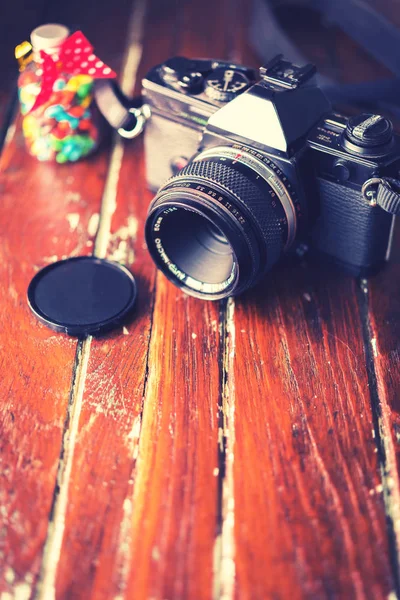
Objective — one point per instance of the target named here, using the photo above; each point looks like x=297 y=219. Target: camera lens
x=198 y=248
x=222 y=221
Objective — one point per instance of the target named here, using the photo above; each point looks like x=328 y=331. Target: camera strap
x=127 y=115
x=360 y=21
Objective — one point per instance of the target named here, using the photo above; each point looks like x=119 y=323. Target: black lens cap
x=82 y=296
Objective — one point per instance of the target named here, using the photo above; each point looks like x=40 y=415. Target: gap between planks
x=224 y=547
x=55 y=533
x=382 y=434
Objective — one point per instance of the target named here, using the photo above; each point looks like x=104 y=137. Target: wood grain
x=309 y=515
x=162 y=516
x=46 y=214
x=311 y=507
x=238 y=449
x=380 y=307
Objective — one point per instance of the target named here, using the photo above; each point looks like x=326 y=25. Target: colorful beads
x=62 y=129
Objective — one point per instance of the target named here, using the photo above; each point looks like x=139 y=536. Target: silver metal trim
x=142 y=114
x=369 y=196
x=267 y=174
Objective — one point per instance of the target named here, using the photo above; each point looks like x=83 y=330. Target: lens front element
x=195 y=250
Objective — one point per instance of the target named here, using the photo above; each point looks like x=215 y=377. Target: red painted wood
x=170 y=472
x=210 y=449
x=175 y=520
x=380 y=297
x=309 y=514
x=311 y=507
x=45 y=215
x=36 y=364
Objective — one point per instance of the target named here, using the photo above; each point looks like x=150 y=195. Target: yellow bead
x=30 y=126
x=86 y=102
x=71 y=86
x=74 y=83
x=82 y=79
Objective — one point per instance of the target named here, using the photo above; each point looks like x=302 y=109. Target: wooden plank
x=309 y=515
x=46 y=214
x=99 y=478
x=380 y=309
x=141 y=488
x=39 y=223
x=170 y=472
x=177 y=503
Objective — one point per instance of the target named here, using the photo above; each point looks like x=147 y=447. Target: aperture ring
x=261 y=170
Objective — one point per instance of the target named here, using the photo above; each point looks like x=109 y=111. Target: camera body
x=321 y=165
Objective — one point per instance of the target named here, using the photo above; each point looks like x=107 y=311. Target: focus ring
x=250 y=197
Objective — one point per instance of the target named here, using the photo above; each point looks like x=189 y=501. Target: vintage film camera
x=246 y=168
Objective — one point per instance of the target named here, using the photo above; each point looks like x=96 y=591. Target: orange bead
x=76 y=111
x=64 y=126
x=85 y=124
x=59 y=133
x=65 y=97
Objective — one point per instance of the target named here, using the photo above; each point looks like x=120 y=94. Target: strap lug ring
x=141 y=115
x=370 y=195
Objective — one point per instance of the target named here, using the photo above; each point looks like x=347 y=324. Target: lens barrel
x=218 y=225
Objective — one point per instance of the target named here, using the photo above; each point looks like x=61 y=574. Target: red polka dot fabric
x=75 y=57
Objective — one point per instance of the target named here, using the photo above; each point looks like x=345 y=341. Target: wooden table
x=243 y=449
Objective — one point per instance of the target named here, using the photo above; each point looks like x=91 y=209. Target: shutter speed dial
x=224 y=85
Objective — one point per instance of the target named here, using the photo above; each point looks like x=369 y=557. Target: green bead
x=55 y=143
x=84 y=90
x=61 y=158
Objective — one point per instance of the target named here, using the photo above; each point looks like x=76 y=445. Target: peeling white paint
x=155 y=554
x=109 y=200
x=128 y=231
x=50 y=259
x=20 y=591
x=9 y=575
x=72 y=196
x=93 y=224
x=73 y=220
x=52 y=550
